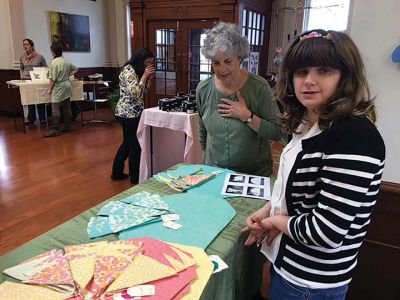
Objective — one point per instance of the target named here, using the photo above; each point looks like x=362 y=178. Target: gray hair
x=225 y=37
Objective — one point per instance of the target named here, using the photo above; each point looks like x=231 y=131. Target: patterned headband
x=314 y=34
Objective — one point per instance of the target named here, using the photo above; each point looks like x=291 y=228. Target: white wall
x=374 y=26
x=375 y=29
x=37 y=28
x=6 y=56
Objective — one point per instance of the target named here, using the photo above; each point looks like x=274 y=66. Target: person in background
x=134 y=80
x=236 y=107
x=29 y=60
x=329 y=174
x=60 y=90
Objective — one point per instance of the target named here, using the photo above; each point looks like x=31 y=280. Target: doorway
x=178 y=61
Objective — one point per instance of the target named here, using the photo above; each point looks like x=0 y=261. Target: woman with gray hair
x=238 y=114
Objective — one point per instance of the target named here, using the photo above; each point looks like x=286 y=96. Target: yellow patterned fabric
x=82 y=270
x=18 y=291
x=204 y=269
x=82 y=261
x=143 y=269
x=187 y=260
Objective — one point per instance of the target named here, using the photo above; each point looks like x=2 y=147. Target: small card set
x=242 y=185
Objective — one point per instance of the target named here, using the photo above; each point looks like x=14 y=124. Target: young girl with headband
x=329 y=174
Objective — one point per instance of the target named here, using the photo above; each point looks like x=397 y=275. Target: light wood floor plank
x=47 y=181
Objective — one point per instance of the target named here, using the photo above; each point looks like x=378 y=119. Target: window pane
x=327 y=14
x=255 y=20
x=262 y=22
x=198 y=66
x=250 y=18
x=244 y=18
x=165 y=61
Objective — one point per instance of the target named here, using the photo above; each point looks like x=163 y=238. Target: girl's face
x=27 y=46
x=314 y=86
x=148 y=61
x=226 y=66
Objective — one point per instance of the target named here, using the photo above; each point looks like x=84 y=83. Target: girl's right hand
x=257 y=233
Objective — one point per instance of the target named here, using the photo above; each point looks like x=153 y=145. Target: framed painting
x=72 y=31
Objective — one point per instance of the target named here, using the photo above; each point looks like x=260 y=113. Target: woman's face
x=27 y=46
x=148 y=61
x=314 y=86
x=226 y=66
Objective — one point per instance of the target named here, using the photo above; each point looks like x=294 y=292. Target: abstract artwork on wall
x=72 y=31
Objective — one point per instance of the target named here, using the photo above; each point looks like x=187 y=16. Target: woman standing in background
x=60 y=90
x=29 y=60
x=134 y=81
x=238 y=113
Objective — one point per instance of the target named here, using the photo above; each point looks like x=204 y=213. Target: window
x=253 y=27
x=326 y=14
x=199 y=67
x=165 y=61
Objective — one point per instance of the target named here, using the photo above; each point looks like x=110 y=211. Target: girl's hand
x=234 y=109
x=258 y=216
x=257 y=233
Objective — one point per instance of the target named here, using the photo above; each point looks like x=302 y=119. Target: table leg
x=37 y=120
x=151 y=151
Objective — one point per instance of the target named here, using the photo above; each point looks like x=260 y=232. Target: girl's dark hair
x=30 y=42
x=333 y=49
x=137 y=61
x=57 y=49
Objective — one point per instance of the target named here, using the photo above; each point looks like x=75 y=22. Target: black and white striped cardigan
x=330 y=194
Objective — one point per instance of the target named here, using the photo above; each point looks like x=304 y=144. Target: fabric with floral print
x=111 y=261
x=59 y=273
x=98 y=226
x=12 y=290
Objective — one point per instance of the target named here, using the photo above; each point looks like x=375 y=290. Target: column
x=17 y=30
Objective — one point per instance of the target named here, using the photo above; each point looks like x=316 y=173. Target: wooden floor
x=47 y=181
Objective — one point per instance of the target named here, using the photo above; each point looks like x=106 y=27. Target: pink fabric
x=187 y=123
x=171 y=287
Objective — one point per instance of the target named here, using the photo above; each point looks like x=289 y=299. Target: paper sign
x=142 y=290
x=170 y=217
x=172 y=225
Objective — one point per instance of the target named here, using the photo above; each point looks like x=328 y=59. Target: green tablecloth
x=239 y=281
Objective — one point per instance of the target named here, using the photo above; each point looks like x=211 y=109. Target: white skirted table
x=33 y=92
x=167 y=138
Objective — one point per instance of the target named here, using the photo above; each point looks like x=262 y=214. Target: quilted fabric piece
x=143 y=269
x=59 y=273
x=82 y=261
x=186 y=182
x=12 y=290
x=119 y=223
x=111 y=262
x=98 y=226
x=135 y=210
x=210 y=187
x=33 y=265
x=145 y=199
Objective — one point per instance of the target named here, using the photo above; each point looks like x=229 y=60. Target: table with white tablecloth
x=167 y=138
x=35 y=92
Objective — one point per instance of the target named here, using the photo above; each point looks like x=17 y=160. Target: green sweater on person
x=230 y=143
x=60 y=70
